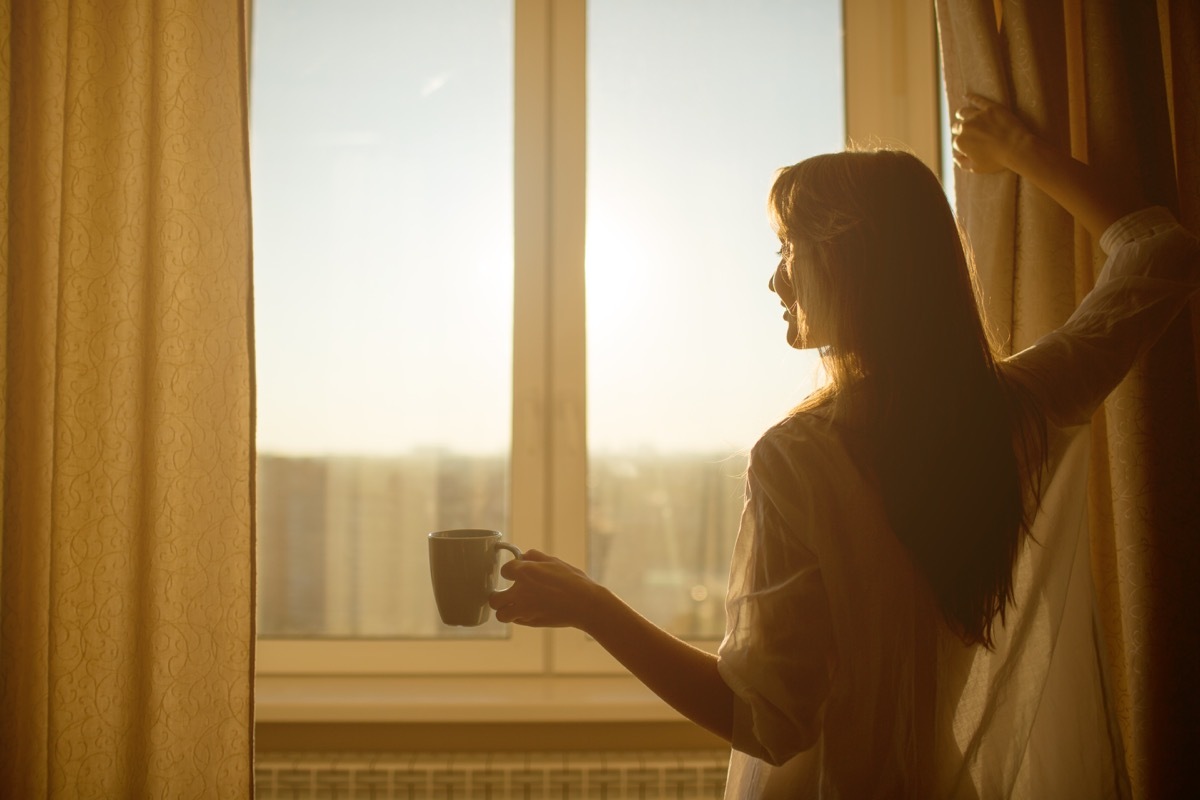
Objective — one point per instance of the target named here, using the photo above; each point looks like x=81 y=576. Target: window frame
x=891 y=97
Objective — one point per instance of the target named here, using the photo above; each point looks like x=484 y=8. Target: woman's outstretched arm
x=988 y=138
x=1152 y=270
x=548 y=592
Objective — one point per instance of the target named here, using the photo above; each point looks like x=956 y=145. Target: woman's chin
x=798 y=332
x=802 y=336
x=801 y=341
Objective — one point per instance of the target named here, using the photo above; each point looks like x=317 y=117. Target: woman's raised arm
x=988 y=138
x=1152 y=270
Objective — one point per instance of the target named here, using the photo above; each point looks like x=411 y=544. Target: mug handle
x=512 y=548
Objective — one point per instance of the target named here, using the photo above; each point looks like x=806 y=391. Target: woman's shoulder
x=797 y=428
x=805 y=442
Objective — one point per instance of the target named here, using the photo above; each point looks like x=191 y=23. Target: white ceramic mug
x=463 y=565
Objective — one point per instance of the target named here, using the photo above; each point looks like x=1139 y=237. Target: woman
x=907 y=615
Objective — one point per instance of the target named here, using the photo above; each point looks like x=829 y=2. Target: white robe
x=848 y=682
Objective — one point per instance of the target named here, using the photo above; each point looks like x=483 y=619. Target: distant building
x=342 y=550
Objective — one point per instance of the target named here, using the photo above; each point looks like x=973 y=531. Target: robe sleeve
x=777 y=654
x=1152 y=270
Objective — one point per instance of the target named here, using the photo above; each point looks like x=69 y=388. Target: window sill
x=323 y=699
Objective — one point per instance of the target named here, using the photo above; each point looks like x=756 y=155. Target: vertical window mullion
x=568 y=98
x=531 y=237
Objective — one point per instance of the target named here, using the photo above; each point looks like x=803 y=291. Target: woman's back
x=816 y=556
x=849 y=658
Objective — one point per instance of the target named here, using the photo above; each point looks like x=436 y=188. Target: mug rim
x=464 y=533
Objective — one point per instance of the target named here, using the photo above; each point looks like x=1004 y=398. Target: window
x=382 y=139
x=511 y=272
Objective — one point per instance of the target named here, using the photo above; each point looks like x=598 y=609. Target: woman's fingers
x=505 y=614
x=499 y=599
x=962 y=162
x=546 y=592
x=525 y=610
x=965 y=114
x=512 y=569
x=981 y=100
x=985 y=135
x=975 y=105
x=957 y=153
x=510 y=605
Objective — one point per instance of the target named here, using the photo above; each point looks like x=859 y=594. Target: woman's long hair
x=956 y=452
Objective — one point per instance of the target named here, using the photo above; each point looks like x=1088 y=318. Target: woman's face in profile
x=801 y=333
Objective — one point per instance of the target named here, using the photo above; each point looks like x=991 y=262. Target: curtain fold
x=1117 y=84
x=126 y=430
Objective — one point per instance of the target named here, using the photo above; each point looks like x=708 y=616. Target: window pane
x=692 y=106
x=381 y=148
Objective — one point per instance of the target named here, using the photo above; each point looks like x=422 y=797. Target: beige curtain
x=126 y=579
x=1117 y=84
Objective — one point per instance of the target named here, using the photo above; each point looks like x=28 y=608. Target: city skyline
x=342 y=553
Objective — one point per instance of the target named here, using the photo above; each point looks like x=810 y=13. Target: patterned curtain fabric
x=126 y=400
x=1118 y=85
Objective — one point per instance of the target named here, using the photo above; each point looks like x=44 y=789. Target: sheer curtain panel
x=1117 y=84
x=126 y=401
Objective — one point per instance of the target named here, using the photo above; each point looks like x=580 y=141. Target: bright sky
x=381 y=137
